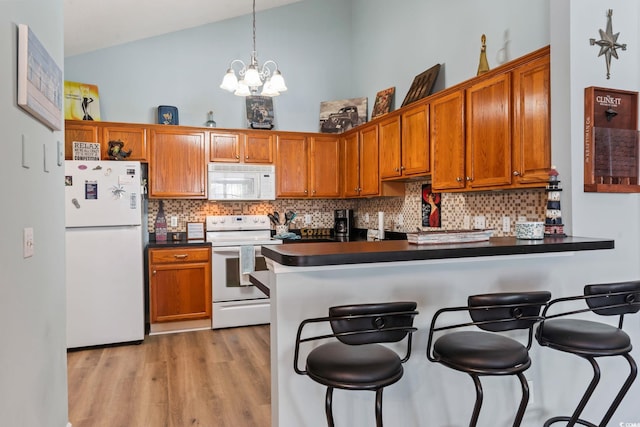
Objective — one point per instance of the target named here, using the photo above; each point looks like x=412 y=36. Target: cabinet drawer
x=157 y=256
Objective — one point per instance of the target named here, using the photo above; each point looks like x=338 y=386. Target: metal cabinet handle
x=397 y=170
x=516 y=173
x=237 y=156
x=180 y=256
x=154 y=272
x=469 y=179
x=459 y=179
x=246 y=157
x=402 y=168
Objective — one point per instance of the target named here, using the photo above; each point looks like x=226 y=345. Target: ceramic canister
x=529 y=230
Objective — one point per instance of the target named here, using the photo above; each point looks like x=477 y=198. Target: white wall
x=33 y=381
x=395 y=41
x=310 y=40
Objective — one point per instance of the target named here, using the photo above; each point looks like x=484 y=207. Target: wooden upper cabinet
x=488 y=127
x=404 y=144
x=291 y=166
x=224 y=147
x=531 y=123
x=177 y=163
x=415 y=141
x=78 y=131
x=390 y=148
x=447 y=135
x=258 y=148
x=241 y=147
x=368 y=160
x=350 y=165
x=134 y=139
x=324 y=166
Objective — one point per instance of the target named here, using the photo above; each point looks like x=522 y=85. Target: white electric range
x=236 y=242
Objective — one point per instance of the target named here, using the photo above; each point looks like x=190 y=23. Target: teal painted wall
x=33 y=376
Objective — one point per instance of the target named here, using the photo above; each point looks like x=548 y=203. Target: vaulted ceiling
x=95 y=24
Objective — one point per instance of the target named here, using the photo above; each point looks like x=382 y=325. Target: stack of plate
x=449 y=236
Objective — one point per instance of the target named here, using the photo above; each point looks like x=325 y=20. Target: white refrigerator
x=104 y=252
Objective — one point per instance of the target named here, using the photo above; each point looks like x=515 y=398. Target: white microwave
x=241 y=182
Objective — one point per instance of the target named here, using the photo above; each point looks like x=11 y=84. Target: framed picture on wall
x=39 y=80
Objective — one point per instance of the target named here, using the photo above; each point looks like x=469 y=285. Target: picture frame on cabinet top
x=168 y=115
x=384 y=102
x=422 y=85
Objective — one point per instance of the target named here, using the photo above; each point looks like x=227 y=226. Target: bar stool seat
x=364 y=367
x=466 y=351
x=587 y=337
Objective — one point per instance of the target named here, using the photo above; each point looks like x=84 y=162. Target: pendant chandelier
x=253 y=76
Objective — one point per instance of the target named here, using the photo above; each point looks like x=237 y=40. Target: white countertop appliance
x=104 y=252
x=236 y=242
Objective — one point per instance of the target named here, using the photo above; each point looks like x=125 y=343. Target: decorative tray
x=449 y=236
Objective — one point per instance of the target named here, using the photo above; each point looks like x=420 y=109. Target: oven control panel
x=237 y=222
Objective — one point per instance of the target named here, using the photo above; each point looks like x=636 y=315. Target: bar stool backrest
x=372 y=323
x=507 y=311
x=617 y=298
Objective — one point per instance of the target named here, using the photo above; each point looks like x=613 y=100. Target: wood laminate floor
x=212 y=378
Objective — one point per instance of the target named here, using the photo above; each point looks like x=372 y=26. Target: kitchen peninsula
x=304 y=280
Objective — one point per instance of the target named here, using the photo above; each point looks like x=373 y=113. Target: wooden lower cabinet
x=179 y=284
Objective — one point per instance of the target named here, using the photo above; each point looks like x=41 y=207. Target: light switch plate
x=27 y=242
x=479 y=222
x=174 y=221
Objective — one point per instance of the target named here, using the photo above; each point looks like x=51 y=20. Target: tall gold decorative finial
x=483 y=66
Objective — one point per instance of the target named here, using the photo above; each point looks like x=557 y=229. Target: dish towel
x=289 y=235
x=247 y=260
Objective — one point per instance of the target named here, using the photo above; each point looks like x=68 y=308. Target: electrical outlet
x=506 y=224
x=522 y=218
x=307 y=219
x=466 y=222
x=400 y=220
x=479 y=222
x=174 y=221
x=366 y=217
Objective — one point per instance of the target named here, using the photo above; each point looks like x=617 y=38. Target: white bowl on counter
x=529 y=230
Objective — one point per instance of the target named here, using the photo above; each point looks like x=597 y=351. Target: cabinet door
x=369 y=157
x=532 y=129
x=291 y=166
x=489 y=133
x=390 y=151
x=415 y=141
x=224 y=147
x=258 y=148
x=133 y=137
x=351 y=165
x=177 y=167
x=324 y=166
x=180 y=292
x=78 y=131
x=446 y=116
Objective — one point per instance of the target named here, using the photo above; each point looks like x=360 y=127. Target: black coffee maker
x=343 y=221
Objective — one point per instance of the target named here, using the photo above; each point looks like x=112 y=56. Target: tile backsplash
x=401 y=213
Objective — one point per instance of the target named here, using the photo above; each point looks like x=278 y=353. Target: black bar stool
x=590 y=340
x=355 y=359
x=479 y=353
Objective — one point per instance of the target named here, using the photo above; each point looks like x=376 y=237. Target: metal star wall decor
x=608 y=43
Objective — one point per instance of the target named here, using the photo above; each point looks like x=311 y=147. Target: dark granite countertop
x=178 y=244
x=362 y=252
